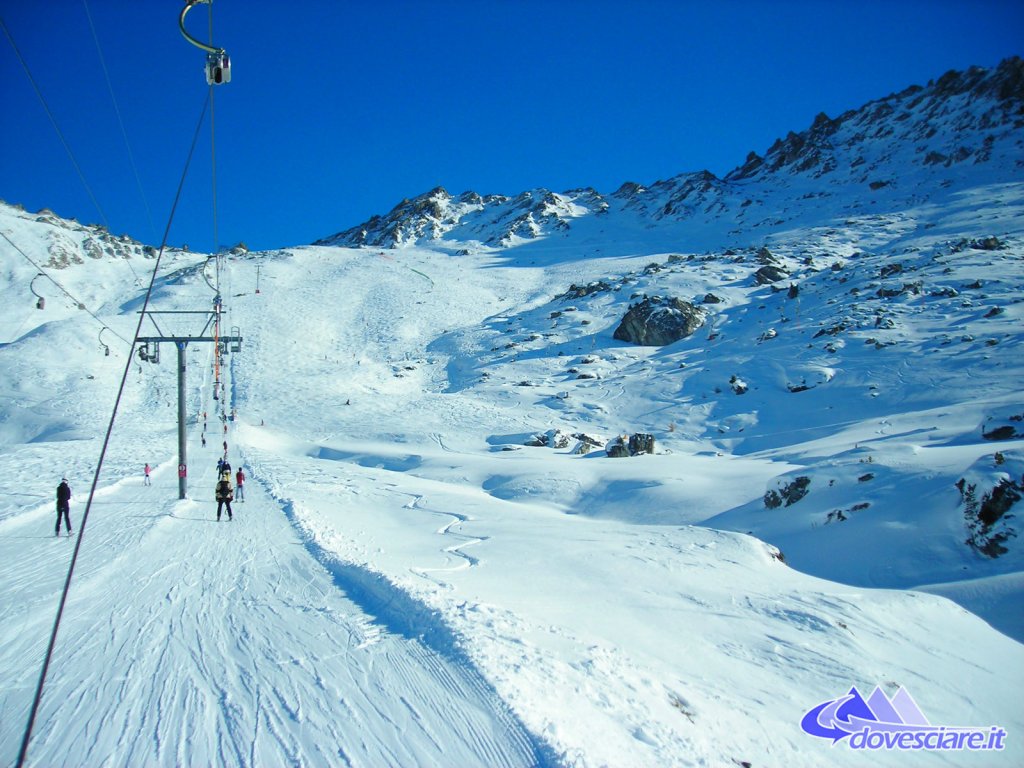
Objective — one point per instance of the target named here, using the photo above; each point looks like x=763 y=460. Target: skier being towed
x=225 y=493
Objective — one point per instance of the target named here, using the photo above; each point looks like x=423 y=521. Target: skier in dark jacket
x=63 y=506
x=224 y=494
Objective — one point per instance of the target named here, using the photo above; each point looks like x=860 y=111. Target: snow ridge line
x=401 y=614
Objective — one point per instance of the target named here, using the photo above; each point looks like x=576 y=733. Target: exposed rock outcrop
x=657 y=321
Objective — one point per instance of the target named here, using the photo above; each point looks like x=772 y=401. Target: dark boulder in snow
x=657 y=321
x=617 y=449
x=990 y=526
x=997 y=503
x=641 y=443
x=586 y=443
x=553 y=438
x=1010 y=429
x=579 y=291
x=789 y=493
x=770 y=274
x=637 y=444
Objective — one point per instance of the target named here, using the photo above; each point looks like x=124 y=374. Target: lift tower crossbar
x=180 y=342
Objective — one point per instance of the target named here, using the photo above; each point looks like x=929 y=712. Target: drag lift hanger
x=206 y=277
x=218 y=65
x=40 y=300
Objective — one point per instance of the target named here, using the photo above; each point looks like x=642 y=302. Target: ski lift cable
x=216 y=232
x=60 y=134
x=103 y=451
x=29 y=316
x=53 y=121
x=120 y=122
x=213 y=173
x=65 y=291
x=218 y=71
x=213 y=155
x=61 y=288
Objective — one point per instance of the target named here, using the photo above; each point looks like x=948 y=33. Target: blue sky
x=339 y=110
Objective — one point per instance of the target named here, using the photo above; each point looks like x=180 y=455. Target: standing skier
x=63 y=506
x=240 y=484
x=145 y=472
x=224 y=494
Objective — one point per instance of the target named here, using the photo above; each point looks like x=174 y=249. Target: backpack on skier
x=224 y=490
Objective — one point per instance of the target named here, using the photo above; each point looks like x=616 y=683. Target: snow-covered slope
x=425 y=571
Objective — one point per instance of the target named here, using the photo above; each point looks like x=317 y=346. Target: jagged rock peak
x=426 y=216
x=912 y=115
x=629 y=189
x=1005 y=82
x=430 y=203
x=495 y=220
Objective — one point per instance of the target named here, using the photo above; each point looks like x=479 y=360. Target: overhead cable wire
x=216 y=233
x=56 y=127
x=62 y=289
x=103 y=452
x=213 y=160
x=120 y=121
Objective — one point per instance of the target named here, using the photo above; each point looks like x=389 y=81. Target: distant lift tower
x=150 y=352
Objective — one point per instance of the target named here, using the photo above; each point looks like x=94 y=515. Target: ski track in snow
x=196 y=636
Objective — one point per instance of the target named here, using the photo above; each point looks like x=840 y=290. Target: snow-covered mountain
x=438 y=562
x=896 y=152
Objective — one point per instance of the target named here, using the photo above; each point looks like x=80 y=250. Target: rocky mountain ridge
x=69 y=242
x=904 y=149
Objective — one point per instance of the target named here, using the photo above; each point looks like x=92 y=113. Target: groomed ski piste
x=408 y=584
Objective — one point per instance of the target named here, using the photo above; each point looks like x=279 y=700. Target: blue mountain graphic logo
x=848 y=714
x=881 y=722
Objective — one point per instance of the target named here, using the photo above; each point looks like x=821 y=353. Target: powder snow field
x=408 y=584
